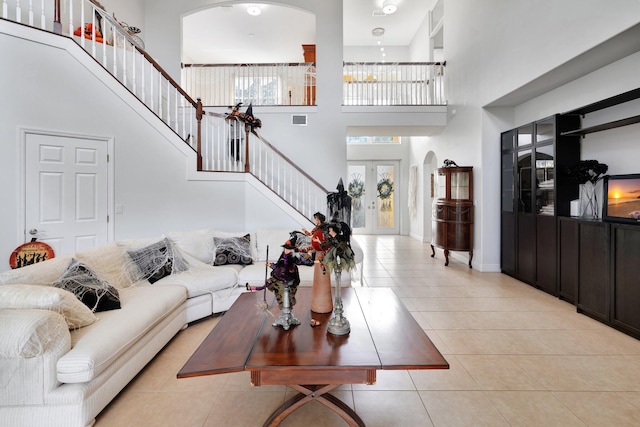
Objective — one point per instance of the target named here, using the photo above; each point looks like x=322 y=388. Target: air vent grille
x=299 y=119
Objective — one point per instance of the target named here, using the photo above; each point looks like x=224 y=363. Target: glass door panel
x=525 y=187
x=373 y=186
x=460 y=186
x=525 y=135
x=545 y=179
x=507 y=182
x=385 y=176
x=357 y=191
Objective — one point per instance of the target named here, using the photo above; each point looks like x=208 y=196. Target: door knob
x=33 y=231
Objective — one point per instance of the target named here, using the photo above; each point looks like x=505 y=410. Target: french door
x=373 y=187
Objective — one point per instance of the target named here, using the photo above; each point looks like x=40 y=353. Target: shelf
x=606 y=103
x=604 y=126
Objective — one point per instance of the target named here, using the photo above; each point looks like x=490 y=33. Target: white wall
x=150 y=165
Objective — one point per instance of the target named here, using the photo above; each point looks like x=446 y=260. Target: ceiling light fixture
x=254 y=10
x=389 y=7
x=377 y=32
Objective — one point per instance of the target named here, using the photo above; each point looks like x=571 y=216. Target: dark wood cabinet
x=593 y=269
x=590 y=263
x=568 y=258
x=625 y=262
x=534 y=157
x=452 y=217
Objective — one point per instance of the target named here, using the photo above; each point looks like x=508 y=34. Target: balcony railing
x=260 y=84
x=371 y=83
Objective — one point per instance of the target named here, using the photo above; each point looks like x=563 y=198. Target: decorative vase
x=321 y=300
x=589 y=200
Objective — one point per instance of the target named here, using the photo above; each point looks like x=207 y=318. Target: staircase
x=220 y=144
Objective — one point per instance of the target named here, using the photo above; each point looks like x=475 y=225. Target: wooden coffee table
x=384 y=335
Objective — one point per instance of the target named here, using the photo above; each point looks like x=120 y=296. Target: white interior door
x=66 y=201
x=373 y=186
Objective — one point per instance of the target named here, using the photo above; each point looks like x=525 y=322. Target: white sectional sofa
x=61 y=363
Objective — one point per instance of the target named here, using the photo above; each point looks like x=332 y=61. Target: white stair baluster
x=43 y=20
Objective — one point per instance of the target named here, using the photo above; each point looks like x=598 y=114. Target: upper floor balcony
x=294 y=84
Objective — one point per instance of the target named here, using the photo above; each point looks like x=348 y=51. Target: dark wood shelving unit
x=595 y=261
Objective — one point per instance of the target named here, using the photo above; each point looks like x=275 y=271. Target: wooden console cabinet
x=452 y=218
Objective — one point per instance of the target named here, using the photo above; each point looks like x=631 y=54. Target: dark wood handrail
x=306 y=175
x=395 y=63
x=148 y=58
x=270 y=64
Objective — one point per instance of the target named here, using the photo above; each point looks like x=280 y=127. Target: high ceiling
x=228 y=34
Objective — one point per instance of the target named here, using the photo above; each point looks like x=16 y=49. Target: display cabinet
x=452 y=219
x=595 y=262
x=532 y=197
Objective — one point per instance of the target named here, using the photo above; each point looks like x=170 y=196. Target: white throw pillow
x=75 y=313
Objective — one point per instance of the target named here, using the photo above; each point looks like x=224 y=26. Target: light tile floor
x=518 y=357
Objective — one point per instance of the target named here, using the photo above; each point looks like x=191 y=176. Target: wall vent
x=299 y=119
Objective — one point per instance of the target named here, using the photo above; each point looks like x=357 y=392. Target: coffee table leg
x=308 y=394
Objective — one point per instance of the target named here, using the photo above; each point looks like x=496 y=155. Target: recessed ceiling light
x=254 y=10
x=389 y=7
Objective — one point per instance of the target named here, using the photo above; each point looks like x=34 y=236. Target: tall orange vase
x=321 y=300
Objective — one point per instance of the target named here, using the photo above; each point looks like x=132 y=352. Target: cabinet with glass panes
x=452 y=219
x=533 y=155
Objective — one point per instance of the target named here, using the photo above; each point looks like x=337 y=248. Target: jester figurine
x=284 y=283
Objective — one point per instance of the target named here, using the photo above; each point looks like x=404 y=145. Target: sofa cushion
x=232 y=250
x=254 y=251
x=274 y=238
x=83 y=282
x=198 y=243
x=158 y=260
x=18 y=296
x=95 y=347
x=203 y=278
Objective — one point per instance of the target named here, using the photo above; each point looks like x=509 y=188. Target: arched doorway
x=429 y=166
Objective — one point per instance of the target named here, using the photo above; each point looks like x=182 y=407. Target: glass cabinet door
x=507 y=182
x=545 y=179
x=525 y=197
x=441 y=185
x=460 y=186
x=525 y=135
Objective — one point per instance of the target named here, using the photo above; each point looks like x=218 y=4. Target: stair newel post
x=57 y=25
x=247 y=131
x=199 y=132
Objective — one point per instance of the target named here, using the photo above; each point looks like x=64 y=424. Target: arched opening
x=429 y=166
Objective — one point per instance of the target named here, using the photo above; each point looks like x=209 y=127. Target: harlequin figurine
x=284 y=283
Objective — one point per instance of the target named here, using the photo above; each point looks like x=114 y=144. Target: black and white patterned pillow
x=232 y=250
x=158 y=260
x=83 y=282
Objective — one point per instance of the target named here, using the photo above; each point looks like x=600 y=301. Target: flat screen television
x=623 y=198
